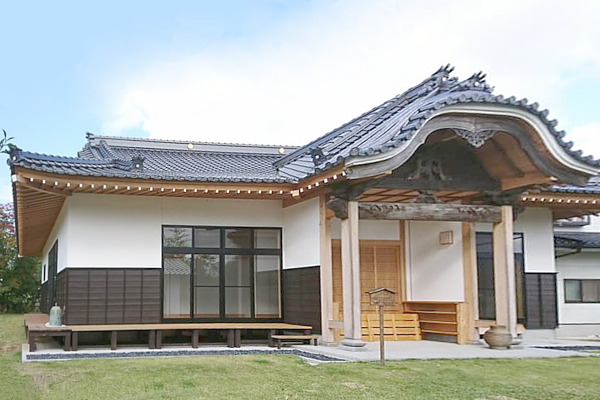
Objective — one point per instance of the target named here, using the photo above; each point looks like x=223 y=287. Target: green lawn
x=287 y=377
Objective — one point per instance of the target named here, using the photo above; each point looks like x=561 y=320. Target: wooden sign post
x=382 y=297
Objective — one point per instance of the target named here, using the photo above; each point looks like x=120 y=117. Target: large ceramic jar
x=498 y=337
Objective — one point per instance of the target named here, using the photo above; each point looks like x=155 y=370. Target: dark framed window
x=582 y=290
x=485 y=275
x=52 y=275
x=221 y=273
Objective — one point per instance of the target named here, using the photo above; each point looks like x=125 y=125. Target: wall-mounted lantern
x=446 y=237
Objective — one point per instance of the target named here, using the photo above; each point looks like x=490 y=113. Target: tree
x=19 y=276
x=5 y=143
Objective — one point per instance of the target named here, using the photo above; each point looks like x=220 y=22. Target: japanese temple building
x=445 y=194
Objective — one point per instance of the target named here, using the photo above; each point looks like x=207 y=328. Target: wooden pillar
x=351 y=278
x=504 y=272
x=326 y=272
x=470 y=281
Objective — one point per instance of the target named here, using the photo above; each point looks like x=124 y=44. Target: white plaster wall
x=301 y=232
x=59 y=232
x=435 y=271
x=125 y=231
x=370 y=230
x=538 y=238
x=114 y=231
x=221 y=212
x=585 y=265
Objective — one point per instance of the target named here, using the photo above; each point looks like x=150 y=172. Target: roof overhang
x=39 y=196
x=476 y=117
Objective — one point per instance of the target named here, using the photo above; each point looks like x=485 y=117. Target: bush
x=19 y=276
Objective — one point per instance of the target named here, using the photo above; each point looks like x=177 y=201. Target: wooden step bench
x=35 y=326
x=280 y=338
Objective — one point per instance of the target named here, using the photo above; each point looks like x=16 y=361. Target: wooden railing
x=447 y=319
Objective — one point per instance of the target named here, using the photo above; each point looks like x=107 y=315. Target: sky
x=276 y=72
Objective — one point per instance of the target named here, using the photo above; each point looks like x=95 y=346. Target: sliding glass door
x=221 y=273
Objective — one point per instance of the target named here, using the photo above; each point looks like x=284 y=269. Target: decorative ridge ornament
x=475 y=138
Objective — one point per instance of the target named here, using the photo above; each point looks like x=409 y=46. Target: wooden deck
x=35 y=326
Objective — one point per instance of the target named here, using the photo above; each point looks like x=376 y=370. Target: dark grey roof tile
x=398 y=119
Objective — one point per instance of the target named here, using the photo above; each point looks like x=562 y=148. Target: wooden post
x=326 y=272
x=195 y=338
x=74 y=341
x=351 y=279
x=113 y=340
x=382 y=297
x=470 y=281
x=152 y=339
x=381 y=335
x=504 y=272
x=158 y=339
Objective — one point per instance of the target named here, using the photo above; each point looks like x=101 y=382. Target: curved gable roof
x=392 y=124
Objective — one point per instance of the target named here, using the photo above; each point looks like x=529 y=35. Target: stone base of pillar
x=353 y=345
x=328 y=344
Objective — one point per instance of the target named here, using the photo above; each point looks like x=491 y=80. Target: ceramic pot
x=498 y=337
x=56 y=316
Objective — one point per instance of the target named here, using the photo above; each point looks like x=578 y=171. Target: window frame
x=580 y=282
x=221 y=252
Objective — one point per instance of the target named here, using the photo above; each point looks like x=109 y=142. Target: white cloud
x=586 y=138
x=309 y=72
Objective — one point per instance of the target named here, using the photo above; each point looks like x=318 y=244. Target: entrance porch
x=432 y=266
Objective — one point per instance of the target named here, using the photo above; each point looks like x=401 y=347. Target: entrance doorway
x=380 y=266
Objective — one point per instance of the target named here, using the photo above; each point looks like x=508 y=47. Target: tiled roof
x=577 y=240
x=592 y=187
x=381 y=129
x=161 y=159
x=396 y=121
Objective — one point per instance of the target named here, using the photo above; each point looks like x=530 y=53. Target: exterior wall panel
x=584 y=265
x=302 y=297
x=541 y=302
x=111 y=296
x=538 y=239
x=301 y=235
x=435 y=271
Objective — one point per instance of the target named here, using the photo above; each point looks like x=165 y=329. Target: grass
x=287 y=377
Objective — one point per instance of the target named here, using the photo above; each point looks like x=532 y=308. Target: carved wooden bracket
x=339 y=207
x=475 y=138
x=426 y=196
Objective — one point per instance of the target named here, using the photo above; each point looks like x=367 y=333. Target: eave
x=40 y=196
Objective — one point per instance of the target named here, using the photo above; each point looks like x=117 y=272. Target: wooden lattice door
x=379 y=267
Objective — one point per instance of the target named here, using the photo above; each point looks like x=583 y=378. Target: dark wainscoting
x=541 y=300
x=44 y=298
x=302 y=297
x=109 y=295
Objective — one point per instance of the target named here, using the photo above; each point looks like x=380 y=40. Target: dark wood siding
x=111 y=295
x=97 y=296
x=61 y=290
x=302 y=297
x=44 y=300
x=541 y=301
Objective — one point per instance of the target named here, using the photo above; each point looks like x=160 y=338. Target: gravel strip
x=175 y=353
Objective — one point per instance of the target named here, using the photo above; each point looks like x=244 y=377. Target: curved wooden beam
x=361 y=168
